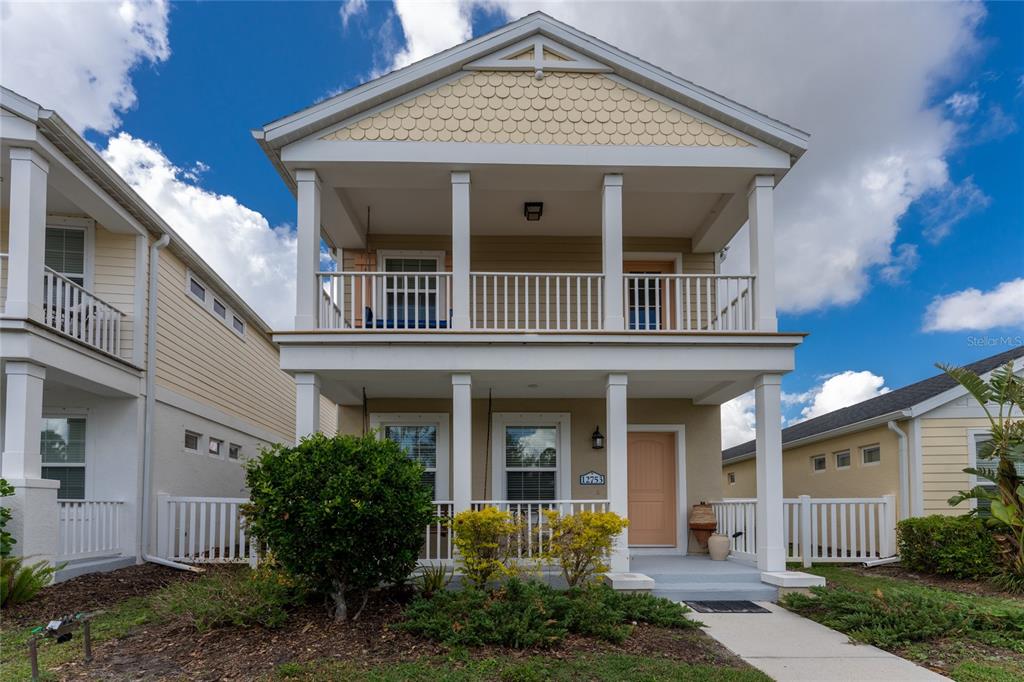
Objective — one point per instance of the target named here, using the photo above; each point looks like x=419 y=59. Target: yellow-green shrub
x=582 y=542
x=483 y=539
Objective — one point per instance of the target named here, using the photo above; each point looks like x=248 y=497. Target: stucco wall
x=859 y=480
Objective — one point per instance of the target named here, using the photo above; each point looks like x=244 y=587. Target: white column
x=27 y=234
x=761 y=218
x=616 y=425
x=307 y=405
x=462 y=441
x=460 y=250
x=308 y=249
x=611 y=251
x=34 y=503
x=771 y=552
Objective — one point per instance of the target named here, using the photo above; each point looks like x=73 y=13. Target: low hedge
x=954 y=546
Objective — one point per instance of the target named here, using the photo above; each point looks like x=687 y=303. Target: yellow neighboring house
x=128 y=367
x=912 y=443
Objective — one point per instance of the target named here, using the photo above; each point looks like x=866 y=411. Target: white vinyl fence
x=817 y=530
x=203 y=530
x=88 y=528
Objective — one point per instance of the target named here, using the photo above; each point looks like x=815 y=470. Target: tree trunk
x=366 y=597
x=340 y=607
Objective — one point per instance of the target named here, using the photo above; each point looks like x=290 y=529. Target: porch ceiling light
x=598 y=439
x=533 y=210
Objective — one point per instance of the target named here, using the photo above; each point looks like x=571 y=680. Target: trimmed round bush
x=954 y=546
x=347 y=513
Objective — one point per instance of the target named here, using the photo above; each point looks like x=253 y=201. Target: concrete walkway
x=789 y=648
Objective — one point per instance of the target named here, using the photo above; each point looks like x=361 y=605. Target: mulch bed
x=981 y=588
x=93 y=592
x=176 y=650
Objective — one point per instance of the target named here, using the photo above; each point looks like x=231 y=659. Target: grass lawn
x=967 y=636
x=135 y=636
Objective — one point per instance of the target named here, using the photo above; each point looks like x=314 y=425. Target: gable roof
x=275 y=135
x=890 y=405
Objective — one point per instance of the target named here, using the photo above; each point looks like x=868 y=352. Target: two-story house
x=527 y=230
x=127 y=366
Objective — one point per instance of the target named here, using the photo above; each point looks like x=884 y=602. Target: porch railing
x=686 y=303
x=385 y=301
x=438 y=537
x=88 y=528
x=817 y=530
x=535 y=531
x=200 y=530
x=536 y=301
x=71 y=309
x=3 y=282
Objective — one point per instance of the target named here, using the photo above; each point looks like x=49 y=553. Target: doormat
x=726 y=607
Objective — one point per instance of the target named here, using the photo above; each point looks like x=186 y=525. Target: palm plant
x=1002 y=399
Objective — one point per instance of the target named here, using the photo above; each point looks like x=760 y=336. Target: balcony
x=534 y=302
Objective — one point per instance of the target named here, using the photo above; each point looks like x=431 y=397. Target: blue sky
x=208 y=72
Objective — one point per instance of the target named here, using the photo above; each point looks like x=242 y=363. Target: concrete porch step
x=716 y=591
x=711 y=576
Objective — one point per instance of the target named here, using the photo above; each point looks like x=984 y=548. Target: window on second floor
x=64 y=252
x=201 y=294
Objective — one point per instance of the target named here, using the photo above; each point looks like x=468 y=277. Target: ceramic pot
x=702 y=522
x=718 y=547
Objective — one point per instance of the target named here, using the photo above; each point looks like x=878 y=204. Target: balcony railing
x=74 y=311
x=88 y=528
x=534 y=302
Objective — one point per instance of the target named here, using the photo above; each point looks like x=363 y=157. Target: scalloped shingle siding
x=514 y=107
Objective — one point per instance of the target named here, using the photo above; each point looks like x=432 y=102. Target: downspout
x=147 y=449
x=904 y=470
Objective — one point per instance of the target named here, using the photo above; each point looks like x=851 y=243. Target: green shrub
x=6 y=539
x=232 y=598
x=582 y=542
x=19 y=583
x=955 y=546
x=533 y=615
x=433 y=578
x=346 y=512
x=484 y=540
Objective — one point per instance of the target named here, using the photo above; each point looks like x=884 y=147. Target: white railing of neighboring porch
x=384 y=301
x=88 y=528
x=535 y=534
x=536 y=301
x=204 y=530
x=818 y=530
x=438 y=537
x=71 y=309
x=3 y=282
x=687 y=303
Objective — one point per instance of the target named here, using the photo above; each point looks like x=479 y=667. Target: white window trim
x=385 y=254
x=221 y=454
x=972 y=458
x=815 y=470
x=441 y=420
x=563 y=463
x=88 y=226
x=848 y=453
x=207 y=305
x=73 y=413
x=199 y=441
x=862 y=448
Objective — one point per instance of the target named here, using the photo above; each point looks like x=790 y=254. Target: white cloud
x=948 y=205
x=904 y=261
x=972 y=309
x=255 y=259
x=837 y=391
x=77 y=58
x=349 y=9
x=859 y=76
x=738 y=420
x=963 y=103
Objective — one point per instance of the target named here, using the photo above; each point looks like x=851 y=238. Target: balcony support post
x=462 y=441
x=616 y=424
x=307 y=296
x=27 y=237
x=771 y=550
x=611 y=251
x=761 y=221
x=460 y=251
x=307 y=405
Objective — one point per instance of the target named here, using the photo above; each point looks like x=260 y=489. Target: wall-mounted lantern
x=598 y=439
x=533 y=210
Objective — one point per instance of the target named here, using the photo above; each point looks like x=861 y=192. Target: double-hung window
x=424 y=438
x=62 y=444
x=532 y=457
x=65 y=252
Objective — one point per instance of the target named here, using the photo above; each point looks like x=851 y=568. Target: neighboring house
x=78 y=249
x=913 y=443
x=526 y=229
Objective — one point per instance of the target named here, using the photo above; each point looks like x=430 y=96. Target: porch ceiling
x=346 y=386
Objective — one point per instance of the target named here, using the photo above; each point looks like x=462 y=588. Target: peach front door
x=651 y=463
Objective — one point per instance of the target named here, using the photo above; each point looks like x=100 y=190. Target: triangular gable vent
x=537 y=54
